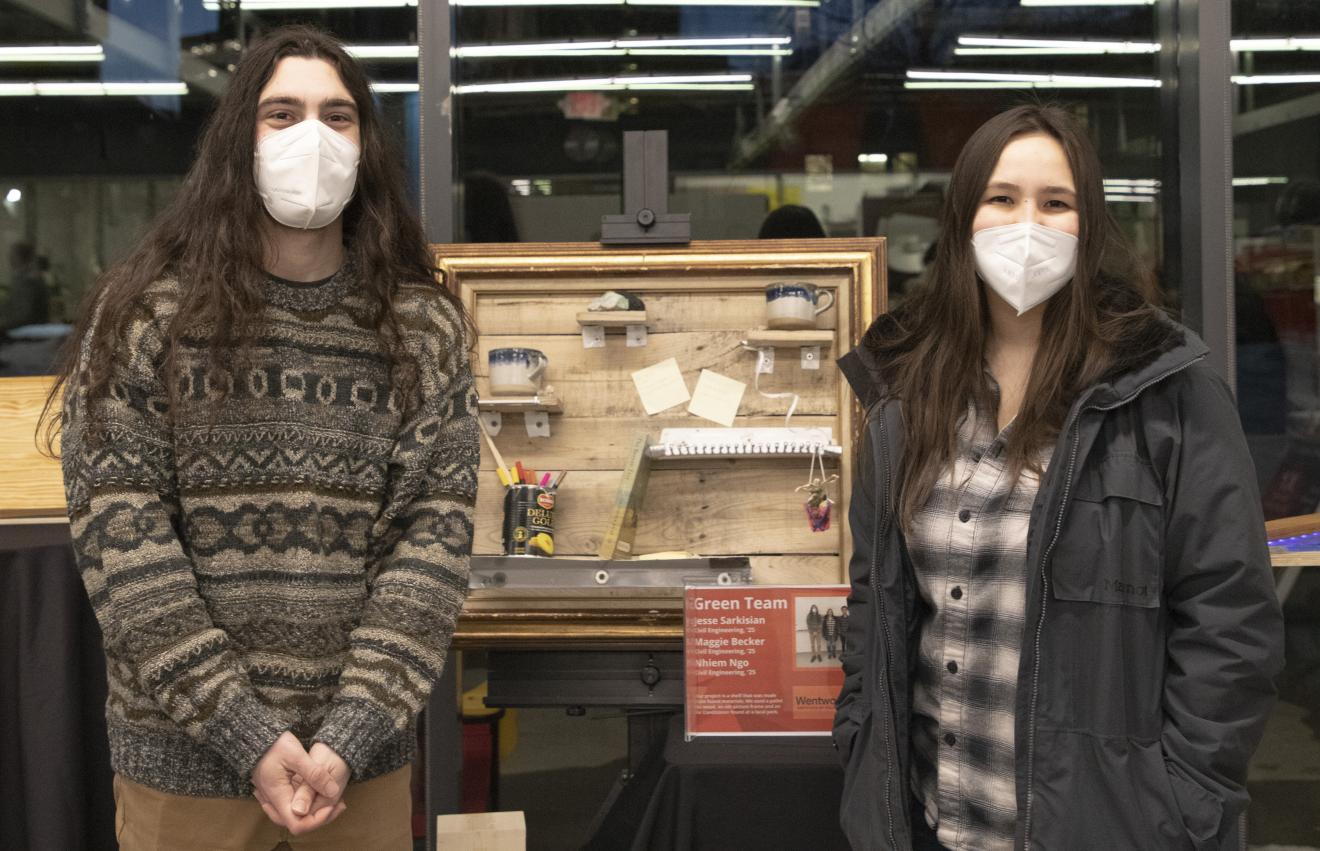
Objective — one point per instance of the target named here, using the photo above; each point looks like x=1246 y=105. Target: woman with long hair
x=1065 y=628
x=815 y=638
x=269 y=449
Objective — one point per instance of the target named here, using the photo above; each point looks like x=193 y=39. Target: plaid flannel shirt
x=968 y=545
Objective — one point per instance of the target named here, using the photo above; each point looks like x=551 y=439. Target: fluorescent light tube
x=991 y=45
x=810 y=3
x=1026 y=51
x=1131 y=181
x=1129 y=189
x=90 y=88
x=683 y=82
x=274 y=5
x=1272 y=45
x=1088 y=2
x=1259 y=181
x=502 y=3
x=395 y=88
x=749 y=41
x=754 y=46
x=382 y=51
x=52 y=53
x=973 y=45
x=996 y=80
x=550 y=48
x=1274 y=79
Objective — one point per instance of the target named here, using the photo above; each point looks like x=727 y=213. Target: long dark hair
x=212 y=237
x=931 y=357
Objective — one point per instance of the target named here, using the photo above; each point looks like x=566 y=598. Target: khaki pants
x=378 y=818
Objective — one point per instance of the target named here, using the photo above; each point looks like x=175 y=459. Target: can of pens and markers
x=529 y=521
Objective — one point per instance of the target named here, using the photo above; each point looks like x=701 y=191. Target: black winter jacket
x=1153 y=634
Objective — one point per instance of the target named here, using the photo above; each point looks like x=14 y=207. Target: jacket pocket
x=1100 y=793
x=1109 y=550
x=1201 y=811
x=863 y=813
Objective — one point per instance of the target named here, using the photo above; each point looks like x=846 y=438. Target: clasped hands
x=298 y=789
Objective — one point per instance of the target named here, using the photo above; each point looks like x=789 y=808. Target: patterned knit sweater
x=292 y=559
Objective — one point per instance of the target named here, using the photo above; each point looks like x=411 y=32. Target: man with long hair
x=269 y=450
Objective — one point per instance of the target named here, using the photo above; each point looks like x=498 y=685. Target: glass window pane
x=855 y=111
x=101 y=106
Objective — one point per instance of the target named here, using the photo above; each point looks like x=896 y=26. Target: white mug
x=795 y=305
x=516 y=372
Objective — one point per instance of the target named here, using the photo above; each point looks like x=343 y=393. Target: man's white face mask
x=1025 y=263
x=306 y=174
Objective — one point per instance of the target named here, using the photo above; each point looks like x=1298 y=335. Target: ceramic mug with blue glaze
x=517 y=372
x=795 y=305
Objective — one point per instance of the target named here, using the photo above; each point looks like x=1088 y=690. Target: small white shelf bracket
x=537 y=423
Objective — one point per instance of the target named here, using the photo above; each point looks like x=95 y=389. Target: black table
x=725 y=794
x=55 y=789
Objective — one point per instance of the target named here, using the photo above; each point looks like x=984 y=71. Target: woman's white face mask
x=1025 y=263
x=306 y=174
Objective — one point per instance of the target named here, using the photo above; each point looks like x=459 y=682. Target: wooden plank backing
x=795 y=570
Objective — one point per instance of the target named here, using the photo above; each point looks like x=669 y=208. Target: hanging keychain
x=818 y=505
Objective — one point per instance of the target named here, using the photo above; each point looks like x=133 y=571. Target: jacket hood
x=1160 y=347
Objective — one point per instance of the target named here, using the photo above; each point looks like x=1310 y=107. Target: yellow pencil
x=499 y=459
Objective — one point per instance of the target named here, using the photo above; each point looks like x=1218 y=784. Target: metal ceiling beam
x=1294 y=109
x=850 y=49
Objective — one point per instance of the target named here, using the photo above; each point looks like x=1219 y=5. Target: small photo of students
x=819 y=627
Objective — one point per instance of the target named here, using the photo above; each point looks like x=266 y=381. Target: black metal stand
x=646 y=218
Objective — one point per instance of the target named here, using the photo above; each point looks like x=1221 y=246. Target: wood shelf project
x=536 y=411
x=700 y=299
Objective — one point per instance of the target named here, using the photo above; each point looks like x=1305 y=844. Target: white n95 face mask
x=1025 y=263
x=306 y=174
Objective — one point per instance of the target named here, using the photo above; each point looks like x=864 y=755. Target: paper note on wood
x=661 y=386
x=717 y=397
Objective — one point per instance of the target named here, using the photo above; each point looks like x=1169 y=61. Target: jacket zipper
x=882 y=525
x=1045 y=582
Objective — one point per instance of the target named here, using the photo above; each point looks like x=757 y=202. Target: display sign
x=763 y=660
